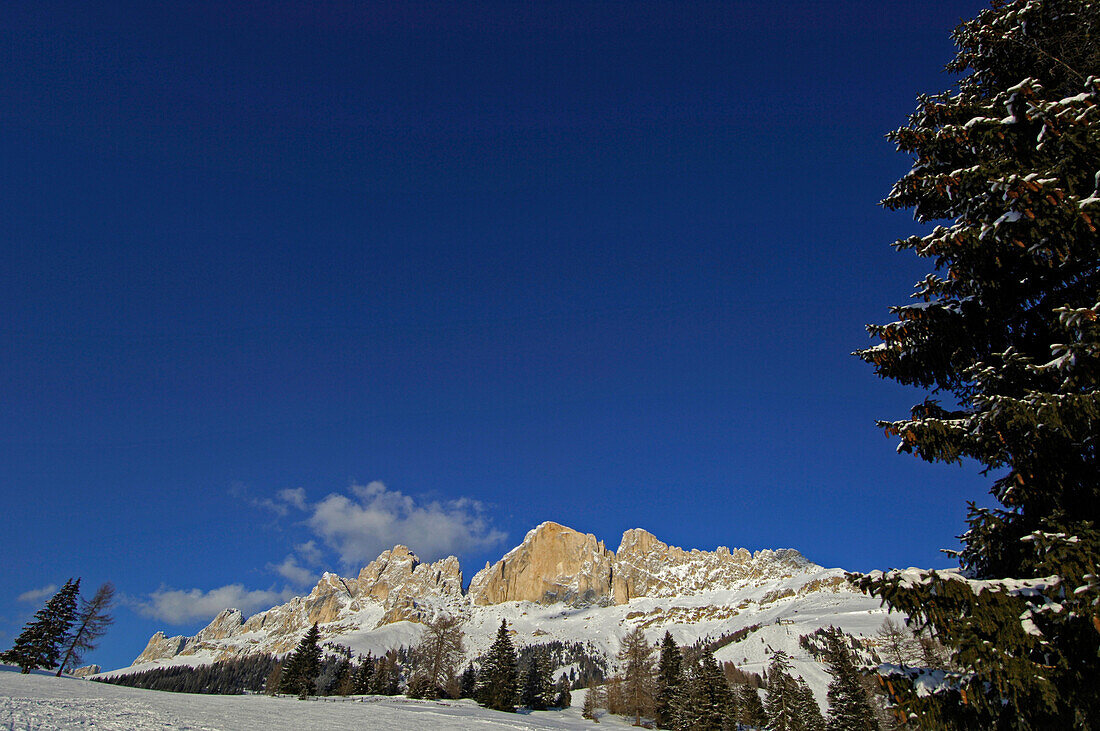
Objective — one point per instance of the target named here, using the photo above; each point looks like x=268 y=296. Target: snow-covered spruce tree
x=562 y=697
x=750 y=710
x=1008 y=325
x=781 y=702
x=670 y=675
x=40 y=643
x=538 y=683
x=301 y=668
x=809 y=713
x=850 y=708
x=497 y=679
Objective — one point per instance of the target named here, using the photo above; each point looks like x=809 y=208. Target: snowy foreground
x=41 y=701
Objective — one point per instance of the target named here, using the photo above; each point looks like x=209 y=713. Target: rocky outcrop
x=644 y=566
x=160 y=647
x=86 y=671
x=553 y=564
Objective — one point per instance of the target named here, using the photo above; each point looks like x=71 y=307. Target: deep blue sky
x=595 y=262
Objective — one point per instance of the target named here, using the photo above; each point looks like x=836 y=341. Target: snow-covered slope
x=41 y=701
x=558 y=584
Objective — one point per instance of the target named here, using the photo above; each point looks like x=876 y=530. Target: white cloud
x=177 y=606
x=36 y=595
x=294 y=572
x=295 y=497
x=374 y=518
x=310 y=552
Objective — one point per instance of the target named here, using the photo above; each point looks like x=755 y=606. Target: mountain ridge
x=553 y=567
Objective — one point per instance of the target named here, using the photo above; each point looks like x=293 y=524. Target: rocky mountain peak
x=554 y=563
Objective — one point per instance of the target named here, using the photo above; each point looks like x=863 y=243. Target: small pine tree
x=537 y=693
x=497 y=679
x=364 y=671
x=468 y=683
x=39 y=644
x=301 y=668
x=670 y=675
x=849 y=707
x=562 y=697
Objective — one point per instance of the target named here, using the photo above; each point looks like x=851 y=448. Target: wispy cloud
x=373 y=518
x=36 y=595
x=177 y=606
x=294 y=572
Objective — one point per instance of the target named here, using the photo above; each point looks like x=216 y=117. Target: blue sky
x=286 y=285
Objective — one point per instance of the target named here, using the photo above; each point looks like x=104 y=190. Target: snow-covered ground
x=40 y=701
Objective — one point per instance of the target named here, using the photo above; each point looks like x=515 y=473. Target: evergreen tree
x=809 y=713
x=781 y=704
x=849 y=707
x=364 y=671
x=750 y=710
x=1008 y=325
x=40 y=643
x=468 y=684
x=562 y=697
x=538 y=684
x=301 y=668
x=91 y=623
x=638 y=681
x=670 y=675
x=497 y=679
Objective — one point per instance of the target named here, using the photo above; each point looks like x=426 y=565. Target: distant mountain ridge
x=556 y=568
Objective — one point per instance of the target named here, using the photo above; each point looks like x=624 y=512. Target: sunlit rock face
x=553 y=564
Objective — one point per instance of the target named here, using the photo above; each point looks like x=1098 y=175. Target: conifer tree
x=301 y=668
x=638 y=681
x=364 y=671
x=750 y=710
x=670 y=675
x=497 y=680
x=809 y=713
x=781 y=703
x=562 y=697
x=90 y=623
x=1008 y=326
x=849 y=707
x=538 y=685
x=40 y=643
x=468 y=684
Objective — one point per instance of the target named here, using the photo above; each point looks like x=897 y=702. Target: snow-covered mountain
x=558 y=584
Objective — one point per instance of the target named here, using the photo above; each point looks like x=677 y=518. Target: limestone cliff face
x=161 y=647
x=553 y=564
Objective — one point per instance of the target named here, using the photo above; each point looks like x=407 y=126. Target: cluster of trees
x=62 y=631
x=501 y=682
x=686 y=688
x=1006 y=328
x=225 y=677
